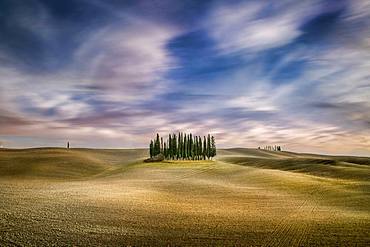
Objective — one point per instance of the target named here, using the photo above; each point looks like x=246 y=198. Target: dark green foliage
x=151 y=148
x=200 y=151
x=161 y=149
x=213 y=146
x=165 y=150
x=188 y=149
x=157 y=146
x=178 y=154
x=183 y=152
x=208 y=151
x=169 y=146
x=191 y=154
x=183 y=146
x=204 y=153
x=272 y=148
x=174 y=143
x=196 y=146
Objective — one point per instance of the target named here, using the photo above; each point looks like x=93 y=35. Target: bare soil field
x=245 y=197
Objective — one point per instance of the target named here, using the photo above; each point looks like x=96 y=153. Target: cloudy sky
x=108 y=73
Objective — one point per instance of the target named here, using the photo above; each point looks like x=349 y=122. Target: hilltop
x=243 y=197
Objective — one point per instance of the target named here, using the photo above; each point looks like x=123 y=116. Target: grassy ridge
x=61 y=163
x=323 y=166
x=246 y=197
x=82 y=163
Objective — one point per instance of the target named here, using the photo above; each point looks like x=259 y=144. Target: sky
x=111 y=74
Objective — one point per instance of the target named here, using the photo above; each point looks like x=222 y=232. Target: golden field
x=245 y=197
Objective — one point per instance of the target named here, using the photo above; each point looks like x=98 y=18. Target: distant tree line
x=183 y=147
x=271 y=148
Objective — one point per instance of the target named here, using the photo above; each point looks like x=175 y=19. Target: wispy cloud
x=108 y=70
x=127 y=63
x=110 y=74
x=256 y=25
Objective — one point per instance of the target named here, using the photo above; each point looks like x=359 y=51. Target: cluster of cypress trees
x=272 y=148
x=183 y=146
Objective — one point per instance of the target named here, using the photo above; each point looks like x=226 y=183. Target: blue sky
x=253 y=73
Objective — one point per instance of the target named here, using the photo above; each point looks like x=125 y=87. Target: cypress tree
x=204 y=153
x=182 y=146
x=188 y=148
x=191 y=146
x=208 y=146
x=185 y=145
x=213 y=146
x=174 y=146
x=196 y=148
x=172 y=149
x=151 y=146
x=200 y=148
x=178 y=146
x=183 y=136
x=179 y=141
x=169 y=146
x=157 y=146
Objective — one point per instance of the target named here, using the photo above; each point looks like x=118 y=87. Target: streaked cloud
x=254 y=73
x=257 y=25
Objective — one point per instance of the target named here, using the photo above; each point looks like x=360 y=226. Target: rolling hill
x=53 y=196
x=64 y=163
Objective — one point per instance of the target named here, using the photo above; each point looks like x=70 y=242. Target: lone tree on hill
x=183 y=147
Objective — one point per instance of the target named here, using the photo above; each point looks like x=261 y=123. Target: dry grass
x=246 y=197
